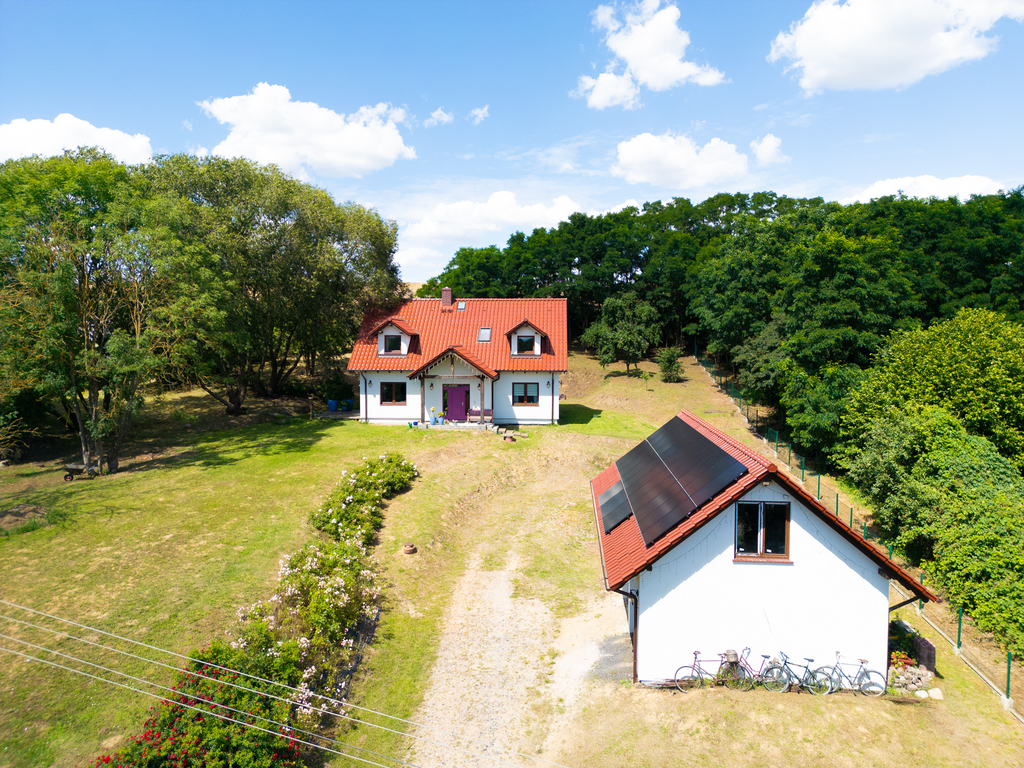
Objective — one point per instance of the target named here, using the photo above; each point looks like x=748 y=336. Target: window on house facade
x=392 y=344
x=525 y=393
x=392 y=392
x=762 y=530
x=484 y=335
x=524 y=345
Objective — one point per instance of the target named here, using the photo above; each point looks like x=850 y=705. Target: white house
x=472 y=359
x=713 y=549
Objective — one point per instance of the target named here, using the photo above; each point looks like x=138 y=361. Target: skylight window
x=484 y=335
x=462 y=306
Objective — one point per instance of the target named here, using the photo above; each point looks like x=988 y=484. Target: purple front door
x=456 y=402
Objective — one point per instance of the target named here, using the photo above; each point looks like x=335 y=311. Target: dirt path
x=508 y=677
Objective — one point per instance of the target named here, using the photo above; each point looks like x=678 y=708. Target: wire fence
x=979 y=649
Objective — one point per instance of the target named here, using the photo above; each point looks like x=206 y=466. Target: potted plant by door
x=433 y=417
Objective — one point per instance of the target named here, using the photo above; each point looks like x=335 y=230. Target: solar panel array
x=668 y=477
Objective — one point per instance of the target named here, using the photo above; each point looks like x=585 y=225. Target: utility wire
x=424 y=739
x=186 y=706
x=211 y=703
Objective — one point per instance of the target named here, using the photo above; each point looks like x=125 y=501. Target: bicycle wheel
x=832 y=677
x=744 y=679
x=817 y=682
x=872 y=683
x=775 y=679
x=689 y=678
x=735 y=677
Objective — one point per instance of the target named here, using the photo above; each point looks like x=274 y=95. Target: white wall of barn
x=830 y=597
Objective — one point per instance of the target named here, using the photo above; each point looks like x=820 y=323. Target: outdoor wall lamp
x=547 y=384
x=431 y=385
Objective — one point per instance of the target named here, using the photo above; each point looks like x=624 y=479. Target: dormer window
x=392 y=344
x=524 y=345
x=484 y=335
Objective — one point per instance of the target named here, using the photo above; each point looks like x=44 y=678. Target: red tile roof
x=624 y=554
x=441 y=328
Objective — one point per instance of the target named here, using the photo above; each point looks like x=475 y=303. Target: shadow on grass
x=577 y=414
x=229 y=446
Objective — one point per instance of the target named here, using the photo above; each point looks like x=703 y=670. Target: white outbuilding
x=713 y=548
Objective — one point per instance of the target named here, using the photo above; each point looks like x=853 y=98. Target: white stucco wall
x=379 y=413
x=507 y=413
x=830 y=598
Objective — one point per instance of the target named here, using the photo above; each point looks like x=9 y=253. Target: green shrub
x=668 y=364
x=354 y=507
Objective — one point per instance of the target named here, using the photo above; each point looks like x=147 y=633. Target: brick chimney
x=446 y=297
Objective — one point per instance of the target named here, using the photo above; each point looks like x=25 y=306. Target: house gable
x=625 y=554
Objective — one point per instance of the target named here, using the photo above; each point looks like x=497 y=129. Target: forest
x=885 y=339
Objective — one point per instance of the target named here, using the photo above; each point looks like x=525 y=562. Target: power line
x=186 y=706
x=329 y=699
x=211 y=703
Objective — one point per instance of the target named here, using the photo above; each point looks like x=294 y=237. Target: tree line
x=205 y=271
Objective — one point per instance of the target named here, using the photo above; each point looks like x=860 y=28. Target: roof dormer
x=525 y=339
x=394 y=337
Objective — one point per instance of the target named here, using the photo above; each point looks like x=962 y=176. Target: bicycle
x=780 y=677
x=867 y=681
x=746 y=677
x=691 y=676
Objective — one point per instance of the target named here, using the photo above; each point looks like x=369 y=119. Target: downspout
x=552 y=385
x=423 y=399
x=366 y=402
x=633 y=598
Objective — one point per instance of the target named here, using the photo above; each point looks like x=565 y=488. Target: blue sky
x=467 y=121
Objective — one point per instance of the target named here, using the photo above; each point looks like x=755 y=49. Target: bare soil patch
x=19 y=514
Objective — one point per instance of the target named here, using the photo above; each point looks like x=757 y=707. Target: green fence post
x=837 y=505
x=920 y=603
x=789 y=456
x=1009 y=660
x=801 y=469
x=851 y=517
x=890 y=551
x=959 y=625
x=865 y=535
x=819 y=487
x=776 y=442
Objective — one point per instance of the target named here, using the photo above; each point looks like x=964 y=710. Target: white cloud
x=467 y=220
x=677 y=161
x=22 y=138
x=301 y=136
x=438 y=117
x=650 y=46
x=876 y=44
x=928 y=186
x=479 y=114
x=608 y=90
x=187 y=124
x=768 y=150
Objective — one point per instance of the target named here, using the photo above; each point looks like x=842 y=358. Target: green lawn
x=166 y=551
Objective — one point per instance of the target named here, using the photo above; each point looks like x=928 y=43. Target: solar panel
x=700 y=466
x=614 y=507
x=670 y=475
x=659 y=503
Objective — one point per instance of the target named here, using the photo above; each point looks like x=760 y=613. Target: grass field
x=194 y=526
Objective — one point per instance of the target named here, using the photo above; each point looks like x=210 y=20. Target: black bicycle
x=781 y=677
